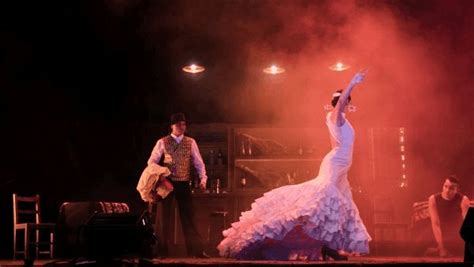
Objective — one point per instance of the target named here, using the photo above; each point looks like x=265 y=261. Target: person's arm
x=157 y=152
x=199 y=164
x=435 y=225
x=336 y=115
x=465 y=205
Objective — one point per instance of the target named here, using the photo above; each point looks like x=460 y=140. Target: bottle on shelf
x=295 y=176
x=288 y=177
x=242 y=148
x=220 y=158
x=212 y=157
x=191 y=185
x=243 y=181
x=300 y=150
x=196 y=183
x=249 y=147
x=218 y=186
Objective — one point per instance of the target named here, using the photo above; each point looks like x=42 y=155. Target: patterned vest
x=181 y=154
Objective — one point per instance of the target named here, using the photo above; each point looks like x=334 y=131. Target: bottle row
x=213 y=159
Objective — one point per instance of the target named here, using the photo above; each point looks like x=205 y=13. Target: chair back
x=26 y=209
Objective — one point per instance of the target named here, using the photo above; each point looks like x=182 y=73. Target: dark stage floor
x=356 y=261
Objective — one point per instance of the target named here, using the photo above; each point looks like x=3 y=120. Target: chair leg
x=37 y=244
x=14 y=244
x=26 y=244
x=51 y=245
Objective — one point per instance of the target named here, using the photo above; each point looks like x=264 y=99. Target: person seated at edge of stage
x=447 y=211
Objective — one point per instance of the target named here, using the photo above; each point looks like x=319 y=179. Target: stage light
x=339 y=66
x=193 y=68
x=273 y=69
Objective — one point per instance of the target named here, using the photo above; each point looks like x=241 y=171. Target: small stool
x=217 y=225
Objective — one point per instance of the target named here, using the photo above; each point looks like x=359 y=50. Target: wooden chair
x=27 y=219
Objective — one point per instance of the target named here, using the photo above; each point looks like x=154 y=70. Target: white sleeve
x=198 y=162
x=157 y=152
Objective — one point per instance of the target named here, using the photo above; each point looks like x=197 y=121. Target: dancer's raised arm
x=336 y=115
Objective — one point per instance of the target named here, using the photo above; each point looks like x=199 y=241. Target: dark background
x=86 y=86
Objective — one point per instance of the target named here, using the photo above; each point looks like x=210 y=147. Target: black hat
x=177 y=117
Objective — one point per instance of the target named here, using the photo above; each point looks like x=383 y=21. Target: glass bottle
x=250 y=147
x=220 y=158
x=212 y=158
x=218 y=186
x=191 y=185
x=300 y=150
x=243 y=181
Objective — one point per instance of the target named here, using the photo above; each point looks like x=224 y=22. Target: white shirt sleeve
x=198 y=162
x=157 y=152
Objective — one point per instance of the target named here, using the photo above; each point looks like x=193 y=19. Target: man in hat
x=179 y=153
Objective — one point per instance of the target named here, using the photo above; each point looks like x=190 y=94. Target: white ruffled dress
x=305 y=216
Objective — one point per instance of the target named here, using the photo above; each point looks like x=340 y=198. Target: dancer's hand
x=359 y=77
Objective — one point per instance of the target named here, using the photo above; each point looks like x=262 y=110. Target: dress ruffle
x=320 y=209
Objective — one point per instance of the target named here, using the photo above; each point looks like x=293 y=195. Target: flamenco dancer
x=314 y=220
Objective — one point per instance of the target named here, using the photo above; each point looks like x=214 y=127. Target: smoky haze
x=418 y=54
